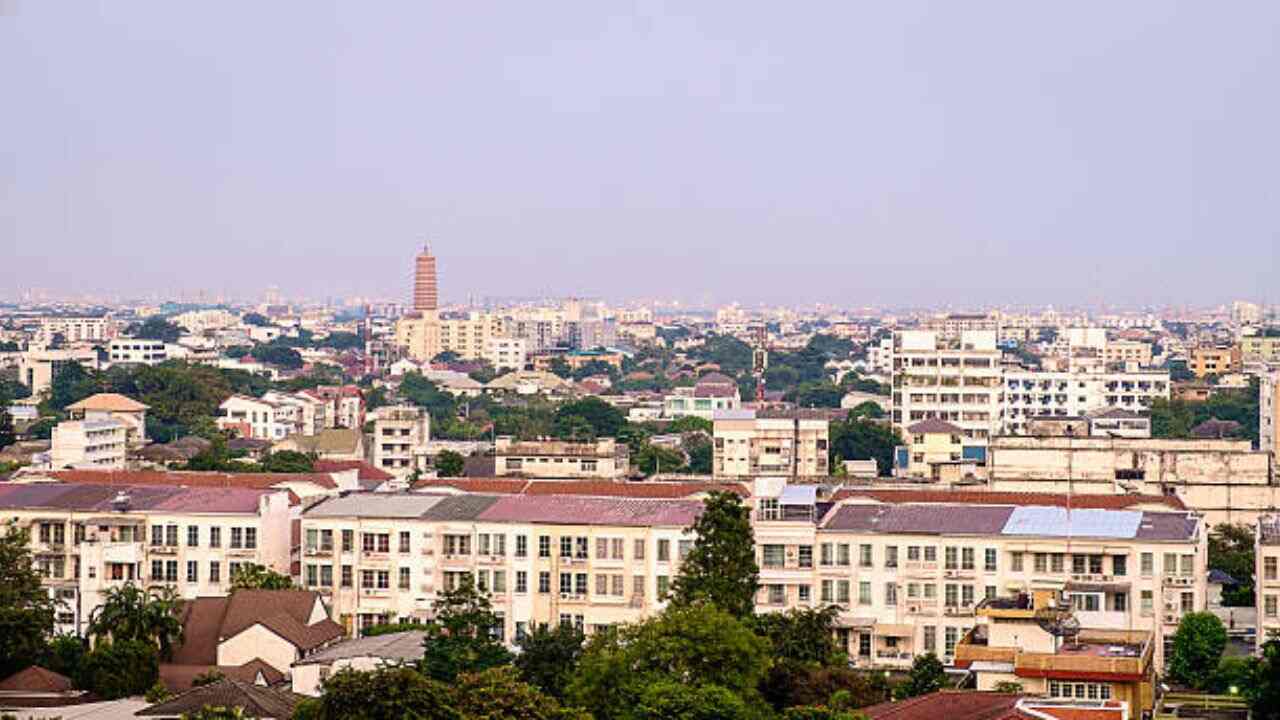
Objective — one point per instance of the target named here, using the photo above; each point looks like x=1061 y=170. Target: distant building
x=1260 y=348
x=600 y=458
x=712 y=394
x=1267 y=577
x=1037 y=394
x=327 y=444
x=1269 y=412
x=38 y=368
x=956 y=380
x=1127 y=351
x=939 y=450
x=139 y=351
x=89 y=444
x=750 y=443
x=113 y=406
x=426 y=292
x=259 y=418
x=77 y=329
x=506 y=353
x=1214 y=360
x=400 y=439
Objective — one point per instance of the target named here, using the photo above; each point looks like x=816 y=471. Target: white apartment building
x=590 y=561
x=954 y=380
x=601 y=458
x=37 y=368
x=77 y=329
x=880 y=356
x=1032 y=393
x=1269 y=411
x=88 y=538
x=89 y=444
x=198 y=322
x=259 y=418
x=1267 y=577
x=908 y=569
x=401 y=435
x=505 y=353
x=751 y=443
x=137 y=350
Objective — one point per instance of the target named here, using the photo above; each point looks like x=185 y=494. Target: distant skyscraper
x=426 y=295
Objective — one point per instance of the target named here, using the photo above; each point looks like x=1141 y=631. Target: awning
x=991 y=666
x=894 y=630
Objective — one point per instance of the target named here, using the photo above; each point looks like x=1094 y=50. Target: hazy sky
x=852 y=152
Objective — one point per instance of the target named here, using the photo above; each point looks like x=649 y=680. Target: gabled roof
x=994 y=497
x=403 y=646
x=172 y=478
x=329 y=440
x=112 y=402
x=179 y=678
x=208 y=621
x=934 y=425
x=365 y=471
x=949 y=705
x=36 y=679
x=142 y=498
x=258 y=702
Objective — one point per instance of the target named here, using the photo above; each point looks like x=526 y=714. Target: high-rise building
x=426 y=294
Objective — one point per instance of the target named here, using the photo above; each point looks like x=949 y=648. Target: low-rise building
x=98 y=444
x=938 y=450
x=600 y=458
x=750 y=443
x=1127 y=351
x=1263 y=348
x=138 y=351
x=401 y=437
x=1267 y=577
x=712 y=394
x=113 y=406
x=1217 y=360
x=346 y=405
x=359 y=654
x=506 y=353
x=89 y=538
x=260 y=418
x=37 y=368
x=77 y=329
x=1269 y=412
x=1036 y=394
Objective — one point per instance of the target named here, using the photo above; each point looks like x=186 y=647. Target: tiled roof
x=36 y=679
x=365 y=470
x=1166 y=526
x=949 y=705
x=209 y=621
x=991 y=497
x=190 y=479
x=1008 y=520
x=403 y=646
x=934 y=425
x=597 y=488
x=501 y=486
x=919 y=519
x=329 y=440
x=111 y=402
x=258 y=702
x=88 y=497
x=578 y=510
x=179 y=678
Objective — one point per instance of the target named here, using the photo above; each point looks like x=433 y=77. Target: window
x=890 y=594
x=1015 y=562
x=544 y=546
x=842 y=555
x=989 y=560
x=1119 y=565
x=664 y=584
x=1120 y=602
x=913 y=553
x=828 y=591
x=404 y=542
x=842 y=592
x=930 y=639
x=1188 y=602
x=1078 y=564
x=684 y=547
x=404 y=578
x=193 y=571
x=602 y=584
x=804 y=556
x=930 y=591
x=251 y=538
x=1095 y=564
x=1170 y=564
x=522 y=582
x=952 y=555
x=864 y=645
x=215 y=572
x=544 y=582
x=1188 y=565
x=566 y=583
x=1269 y=568
x=1041 y=562
x=1146 y=602
x=615 y=548
x=348 y=540
x=951 y=595
x=966 y=559
x=804 y=593
x=864 y=556
x=774 y=556
x=346 y=576
x=171 y=570
x=637 y=550
x=1086 y=602
x=157 y=570
x=171 y=535
x=602 y=549
x=453 y=544
x=566 y=547
x=891 y=556
x=482 y=544
x=237 y=538
x=500 y=581
x=193 y=536
x=580 y=583
x=664 y=550
x=522 y=546
x=952 y=636
x=777 y=594
x=1057 y=561
x=826 y=559
x=1269 y=606
x=215 y=537
x=966 y=596
x=313 y=576
x=580 y=548
x=989 y=592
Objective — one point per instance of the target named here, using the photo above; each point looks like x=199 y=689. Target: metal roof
x=581 y=510
x=799 y=495
x=1059 y=522
x=387 y=505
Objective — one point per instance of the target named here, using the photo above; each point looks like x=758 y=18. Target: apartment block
x=400 y=437
x=712 y=394
x=749 y=443
x=37 y=368
x=88 y=538
x=1127 y=351
x=1030 y=394
x=140 y=351
x=1267 y=577
x=427 y=334
x=909 y=570
x=1214 y=360
x=113 y=406
x=1260 y=348
x=590 y=561
x=89 y=444
x=77 y=329
x=953 y=379
x=600 y=458
x=274 y=416
x=506 y=353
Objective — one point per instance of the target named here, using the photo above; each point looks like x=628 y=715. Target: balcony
x=958 y=610
x=164 y=549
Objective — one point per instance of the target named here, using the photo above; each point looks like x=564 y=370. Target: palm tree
x=132 y=613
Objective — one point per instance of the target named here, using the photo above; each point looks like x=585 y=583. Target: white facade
x=137 y=350
x=1032 y=393
x=1269 y=411
x=89 y=443
x=77 y=329
x=506 y=353
x=954 y=380
x=259 y=419
x=400 y=439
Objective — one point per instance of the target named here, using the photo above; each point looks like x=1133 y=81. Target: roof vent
x=121 y=501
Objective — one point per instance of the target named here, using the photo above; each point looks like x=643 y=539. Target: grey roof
x=1166 y=526
x=920 y=519
x=423 y=506
x=258 y=702
x=404 y=646
x=1059 y=522
x=1219 y=577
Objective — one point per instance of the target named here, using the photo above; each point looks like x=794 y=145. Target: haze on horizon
x=853 y=153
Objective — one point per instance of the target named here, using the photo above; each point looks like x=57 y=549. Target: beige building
x=89 y=444
x=359 y=654
x=77 y=329
x=749 y=443
x=1214 y=360
x=401 y=434
x=601 y=458
x=1267 y=577
x=1269 y=412
x=1225 y=480
x=909 y=570
x=1127 y=351
x=506 y=353
x=37 y=368
x=589 y=561
x=425 y=335
x=112 y=406
x=957 y=380
x=1260 y=348
x=88 y=538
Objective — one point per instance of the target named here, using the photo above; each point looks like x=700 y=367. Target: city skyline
x=907 y=156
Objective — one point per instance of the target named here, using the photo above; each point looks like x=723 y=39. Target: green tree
x=207 y=678
x=26 y=611
x=1263 y=692
x=41 y=429
x=605 y=419
x=71 y=384
x=389 y=693
x=927 y=675
x=130 y=613
x=1197 y=648
x=65 y=655
x=1231 y=551
x=549 y=656
x=862 y=439
x=155 y=328
x=277 y=354
x=460 y=638
x=672 y=700
x=449 y=464
x=721 y=566
x=653 y=459
x=252 y=576
x=575 y=428
x=499 y=693
x=819 y=712
x=866 y=409
x=690 y=424
x=121 y=668
x=257 y=319
x=698 y=448
x=1008 y=686
x=790 y=683
x=287 y=461
x=824 y=394
x=157 y=693
x=806 y=635
x=7 y=434
x=1234 y=675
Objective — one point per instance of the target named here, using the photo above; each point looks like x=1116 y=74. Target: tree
x=26 y=610
x=671 y=700
x=819 y=712
x=120 y=668
x=698 y=646
x=65 y=655
x=1263 y=692
x=287 y=461
x=155 y=328
x=721 y=566
x=207 y=678
x=698 y=448
x=450 y=464
x=1008 y=686
x=1197 y=648
x=7 y=434
x=653 y=459
x=927 y=675
x=690 y=424
x=605 y=419
x=388 y=693
x=790 y=683
x=549 y=656
x=862 y=439
x=460 y=638
x=1231 y=551
x=257 y=319
x=823 y=394
x=131 y=613
x=805 y=635
x=499 y=693
x=71 y=384
x=866 y=409
x=277 y=354
x=251 y=576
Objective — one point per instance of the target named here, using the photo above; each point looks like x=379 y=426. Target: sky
x=857 y=153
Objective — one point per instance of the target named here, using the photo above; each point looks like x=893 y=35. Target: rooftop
x=989 y=497
x=113 y=402
x=403 y=646
x=1030 y=521
x=143 y=498
x=934 y=425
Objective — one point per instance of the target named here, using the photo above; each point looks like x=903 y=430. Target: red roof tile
x=662 y=490
x=366 y=471
x=499 y=486
x=190 y=479
x=992 y=497
x=36 y=679
x=949 y=705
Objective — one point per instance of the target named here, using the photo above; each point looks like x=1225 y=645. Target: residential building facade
x=601 y=458
x=401 y=434
x=1031 y=393
x=956 y=380
x=89 y=444
x=749 y=443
